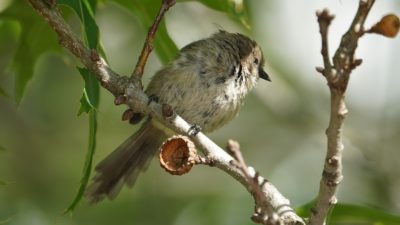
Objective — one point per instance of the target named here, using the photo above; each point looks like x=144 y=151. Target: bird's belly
x=208 y=111
x=209 y=106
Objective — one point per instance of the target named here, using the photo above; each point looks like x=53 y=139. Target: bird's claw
x=152 y=98
x=194 y=130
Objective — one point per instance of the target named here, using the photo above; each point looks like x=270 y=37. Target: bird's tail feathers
x=125 y=163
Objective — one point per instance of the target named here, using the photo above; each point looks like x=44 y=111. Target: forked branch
x=337 y=76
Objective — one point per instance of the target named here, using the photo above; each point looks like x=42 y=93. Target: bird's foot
x=194 y=130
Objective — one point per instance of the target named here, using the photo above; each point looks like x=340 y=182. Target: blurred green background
x=281 y=127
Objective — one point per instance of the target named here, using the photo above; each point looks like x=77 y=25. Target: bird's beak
x=262 y=74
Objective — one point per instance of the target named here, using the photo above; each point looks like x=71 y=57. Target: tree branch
x=90 y=58
x=136 y=99
x=338 y=77
x=264 y=214
x=148 y=45
x=324 y=20
x=222 y=160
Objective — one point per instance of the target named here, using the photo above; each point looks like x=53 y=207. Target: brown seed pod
x=388 y=26
x=177 y=155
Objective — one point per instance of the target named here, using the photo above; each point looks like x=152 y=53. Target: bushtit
x=205 y=85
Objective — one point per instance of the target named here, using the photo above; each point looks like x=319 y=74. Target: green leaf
x=2 y=148
x=3 y=183
x=164 y=46
x=35 y=38
x=91 y=92
x=85 y=106
x=304 y=210
x=88 y=161
x=146 y=12
x=353 y=214
x=237 y=10
x=85 y=11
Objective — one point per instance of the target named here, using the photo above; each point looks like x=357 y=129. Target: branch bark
x=264 y=214
x=337 y=76
x=148 y=45
x=136 y=99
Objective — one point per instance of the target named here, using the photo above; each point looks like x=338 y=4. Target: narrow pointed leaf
x=85 y=10
x=88 y=161
x=91 y=92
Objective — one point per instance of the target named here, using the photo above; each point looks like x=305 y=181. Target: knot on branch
x=132 y=116
x=260 y=218
x=167 y=111
x=169 y=3
x=333 y=161
x=94 y=55
x=332 y=179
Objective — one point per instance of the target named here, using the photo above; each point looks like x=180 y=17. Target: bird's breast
x=209 y=106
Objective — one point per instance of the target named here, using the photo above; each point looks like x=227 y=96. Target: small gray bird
x=205 y=85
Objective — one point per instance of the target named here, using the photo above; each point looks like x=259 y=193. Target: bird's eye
x=256 y=61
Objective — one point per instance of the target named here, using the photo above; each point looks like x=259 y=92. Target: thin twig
x=136 y=99
x=148 y=44
x=343 y=60
x=324 y=20
x=90 y=58
x=338 y=78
